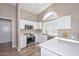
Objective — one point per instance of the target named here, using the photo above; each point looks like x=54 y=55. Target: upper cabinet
x=36 y=25
x=64 y=22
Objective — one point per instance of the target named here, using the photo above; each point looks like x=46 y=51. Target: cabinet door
x=43 y=38
x=61 y=23
x=67 y=21
x=45 y=52
x=37 y=38
x=23 y=42
x=21 y=24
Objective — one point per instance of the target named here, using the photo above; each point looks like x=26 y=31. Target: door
x=5 y=31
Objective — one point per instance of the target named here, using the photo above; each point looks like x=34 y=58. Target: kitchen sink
x=50 y=37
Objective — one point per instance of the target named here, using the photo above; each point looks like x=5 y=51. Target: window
x=50 y=15
x=51 y=27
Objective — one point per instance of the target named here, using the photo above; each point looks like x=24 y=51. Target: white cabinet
x=21 y=24
x=36 y=25
x=45 y=52
x=68 y=22
x=64 y=22
x=23 y=42
x=60 y=23
x=43 y=38
x=39 y=38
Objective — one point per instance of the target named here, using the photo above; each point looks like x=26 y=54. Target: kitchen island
x=60 y=47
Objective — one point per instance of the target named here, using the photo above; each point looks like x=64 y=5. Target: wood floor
x=6 y=50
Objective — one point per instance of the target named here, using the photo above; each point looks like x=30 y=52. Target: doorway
x=5 y=36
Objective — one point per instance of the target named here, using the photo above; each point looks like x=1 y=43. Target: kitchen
x=51 y=27
x=41 y=29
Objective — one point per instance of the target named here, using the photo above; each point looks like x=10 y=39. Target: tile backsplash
x=67 y=33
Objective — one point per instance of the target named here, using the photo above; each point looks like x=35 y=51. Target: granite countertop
x=61 y=46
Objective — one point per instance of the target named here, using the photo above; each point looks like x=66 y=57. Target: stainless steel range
x=30 y=39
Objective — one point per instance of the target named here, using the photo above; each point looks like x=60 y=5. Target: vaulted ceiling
x=35 y=8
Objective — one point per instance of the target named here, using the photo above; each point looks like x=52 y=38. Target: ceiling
x=35 y=8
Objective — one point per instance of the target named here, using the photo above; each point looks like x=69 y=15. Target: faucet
x=46 y=32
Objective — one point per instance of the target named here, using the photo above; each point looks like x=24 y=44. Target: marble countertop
x=61 y=46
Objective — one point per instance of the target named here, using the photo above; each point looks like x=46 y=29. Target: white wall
x=8 y=11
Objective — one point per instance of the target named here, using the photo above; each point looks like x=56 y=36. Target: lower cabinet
x=23 y=42
x=39 y=38
x=43 y=38
x=45 y=52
